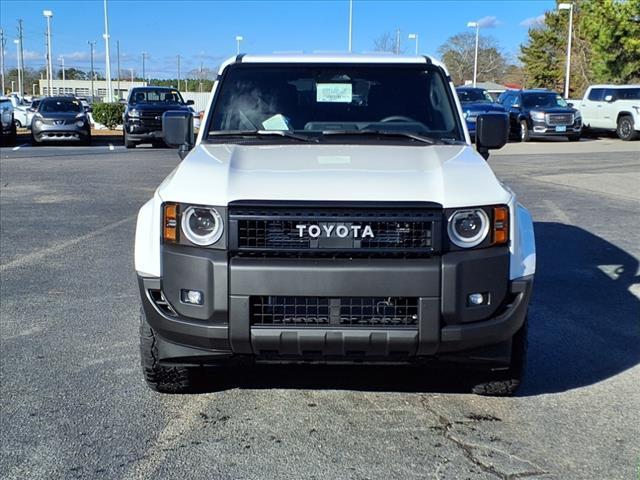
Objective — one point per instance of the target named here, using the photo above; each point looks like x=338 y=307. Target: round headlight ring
x=202 y=240
x=476 y=239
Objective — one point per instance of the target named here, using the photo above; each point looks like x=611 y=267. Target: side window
x=506 y=99
x=596 y=94
x=515 y=101
x=610 y=92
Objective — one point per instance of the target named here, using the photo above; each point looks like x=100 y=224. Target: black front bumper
x=222 y=327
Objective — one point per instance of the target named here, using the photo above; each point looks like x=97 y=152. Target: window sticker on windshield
x=334 y=92
x=277 y=122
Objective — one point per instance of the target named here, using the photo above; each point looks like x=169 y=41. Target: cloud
x=31 y=55
x=532 y=21
x=489 y=22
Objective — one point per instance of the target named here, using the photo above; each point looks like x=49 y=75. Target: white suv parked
x=614 y=108
x=333 y=209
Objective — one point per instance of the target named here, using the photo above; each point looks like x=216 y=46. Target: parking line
x=111 y=146
x=15 y=149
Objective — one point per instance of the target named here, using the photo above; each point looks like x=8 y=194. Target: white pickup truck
x=614 y=108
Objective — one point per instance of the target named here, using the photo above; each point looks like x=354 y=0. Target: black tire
x=574 y=138
x=524 y=131
x=10 y=140
x=625 y=129
x=158 y=144
x=128 y=143
x=17 y=124
x=34 y=141
x=86 y=140
x=506 y=383
x=160 y=377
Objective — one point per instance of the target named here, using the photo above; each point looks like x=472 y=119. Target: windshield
x=476 y=96
x=335 y=98
x=60 y=105
x=155 y=96
x=543 y=100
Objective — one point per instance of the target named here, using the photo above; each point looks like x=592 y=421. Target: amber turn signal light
x=500 y=225
x=170 y=223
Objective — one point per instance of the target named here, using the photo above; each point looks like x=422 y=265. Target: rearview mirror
x=492 y=132
x=608 y=98
x=177 y=130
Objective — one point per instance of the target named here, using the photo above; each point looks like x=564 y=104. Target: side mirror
x=190 y=102
x=177 y=130
x=608 y=98
x=492 y=132
x=570 y=104
x=515 y=105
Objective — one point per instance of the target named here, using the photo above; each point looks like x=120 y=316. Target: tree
x=605 y=46
x=74 y=74
x=613 y=28
x=458 y=54
x=389 y=42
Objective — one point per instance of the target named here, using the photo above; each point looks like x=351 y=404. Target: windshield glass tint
x=59 y=105
x=543 y=100
x=155 y=96
x=474 y=96
x=312 y=98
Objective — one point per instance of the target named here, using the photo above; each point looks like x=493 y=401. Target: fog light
x=193 y=297
x=476 y=299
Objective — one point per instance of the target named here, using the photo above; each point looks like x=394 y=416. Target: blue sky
x=205 y=31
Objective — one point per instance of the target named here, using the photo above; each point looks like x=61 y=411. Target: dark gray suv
x=60 y=119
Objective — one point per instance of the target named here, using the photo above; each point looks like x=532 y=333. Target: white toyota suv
x=333 y=209
x=614 y=108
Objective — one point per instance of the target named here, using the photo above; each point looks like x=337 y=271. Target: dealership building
x=82 y=88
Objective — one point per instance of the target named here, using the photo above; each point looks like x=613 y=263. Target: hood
x=155 y=106
x=60 y=115
x=452 y=175
x=553 y=109
x=483 y=107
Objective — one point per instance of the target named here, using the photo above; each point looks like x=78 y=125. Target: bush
x=108 y=114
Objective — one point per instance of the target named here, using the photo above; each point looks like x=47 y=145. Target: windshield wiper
x=389 y=133
x=262 y=133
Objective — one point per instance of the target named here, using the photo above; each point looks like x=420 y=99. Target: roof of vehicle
x=154 y=88
x=465 y=87
x=60 y=97
x=615 y=86
x=333 y=58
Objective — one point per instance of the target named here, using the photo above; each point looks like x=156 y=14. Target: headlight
x=201 y=225
x=133 y=113
x=38 y=123
x=468 y=228
x=80 y=123
x=537 y=115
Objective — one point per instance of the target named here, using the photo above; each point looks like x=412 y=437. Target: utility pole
x=17 y=42
x=397 y=41
x=107 y=57
x=91 y=44
x=3 y=42
x=131 y=70
x=178 y=72
x=21 y=55
x=118 y=55
x=350 y=25
x=568 y=6
x=200 y=77
x=48 y=14
x=144 y=56
x=64 y=90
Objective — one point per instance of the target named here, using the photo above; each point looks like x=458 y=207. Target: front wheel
x=625 y=128
x=161 y=378
x=574 y=138
x=524 y=131
x=505 y=383
x=128 y=143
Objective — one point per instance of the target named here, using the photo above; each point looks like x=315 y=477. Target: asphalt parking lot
x=74 y=405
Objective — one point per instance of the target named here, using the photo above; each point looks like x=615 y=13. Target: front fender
x=147 y=240
x=523 y=243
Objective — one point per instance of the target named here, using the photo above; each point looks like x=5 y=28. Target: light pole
x=144 y=57
x=17 y=42
x=64 y=90
x=118 y=57
x=48 y=14
x=568 y=6
x=475 y=25
x=350 y=25
x=106 y=53
x=414 y=36
x=178 y=72
x=239 y=38
x=2 y=44
x=91 y=44
x=33 y=90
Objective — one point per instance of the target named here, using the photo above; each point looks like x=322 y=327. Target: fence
x=200 y=100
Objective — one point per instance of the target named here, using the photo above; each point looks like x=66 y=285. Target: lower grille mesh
x=334 y=312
